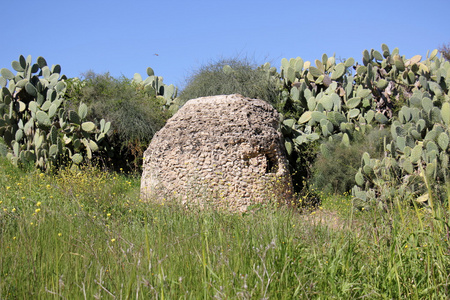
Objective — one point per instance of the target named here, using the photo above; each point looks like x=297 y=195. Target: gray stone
x=222 y=150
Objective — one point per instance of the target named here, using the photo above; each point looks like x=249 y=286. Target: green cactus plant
x=420 y=148
x=34 y=123
x=387 y=88
x=154 y=86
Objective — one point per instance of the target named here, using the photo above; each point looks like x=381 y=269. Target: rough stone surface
x=221 y=150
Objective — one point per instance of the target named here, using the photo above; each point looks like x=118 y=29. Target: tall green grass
x=85 y=234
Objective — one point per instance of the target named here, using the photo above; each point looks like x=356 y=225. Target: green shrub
x=135 y=116
x=246 y=79
x=3 y=148
x=333 y=172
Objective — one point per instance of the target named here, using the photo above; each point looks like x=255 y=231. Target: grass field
x=86 y=235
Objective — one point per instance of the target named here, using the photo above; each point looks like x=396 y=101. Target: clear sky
x=175 y=37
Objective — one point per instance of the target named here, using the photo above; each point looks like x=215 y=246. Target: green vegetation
x=335 y=167
x=135 y=114
x=86 y=234
x=328 y=102
x=155 y=87
x=416 y=160
x=231 y=76
x=34 y=123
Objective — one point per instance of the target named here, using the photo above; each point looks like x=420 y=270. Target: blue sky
x=122 y=37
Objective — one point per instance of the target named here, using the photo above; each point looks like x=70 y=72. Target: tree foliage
x=134 y=114
x=244 y=78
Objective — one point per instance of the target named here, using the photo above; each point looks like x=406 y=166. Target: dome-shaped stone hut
x=222 y=150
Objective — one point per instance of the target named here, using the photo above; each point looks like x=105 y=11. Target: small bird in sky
x=156 y=54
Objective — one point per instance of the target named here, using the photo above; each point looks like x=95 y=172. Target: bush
x=135 y=116
x=333 y=172
x=3 y=148
x=246 y=79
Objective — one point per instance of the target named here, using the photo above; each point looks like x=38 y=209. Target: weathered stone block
x=224 y=150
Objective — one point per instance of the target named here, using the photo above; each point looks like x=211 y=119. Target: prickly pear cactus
x=154 y=86
x=34 y=123
x=334 y=100
x=417 y=158
x=324 y=101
